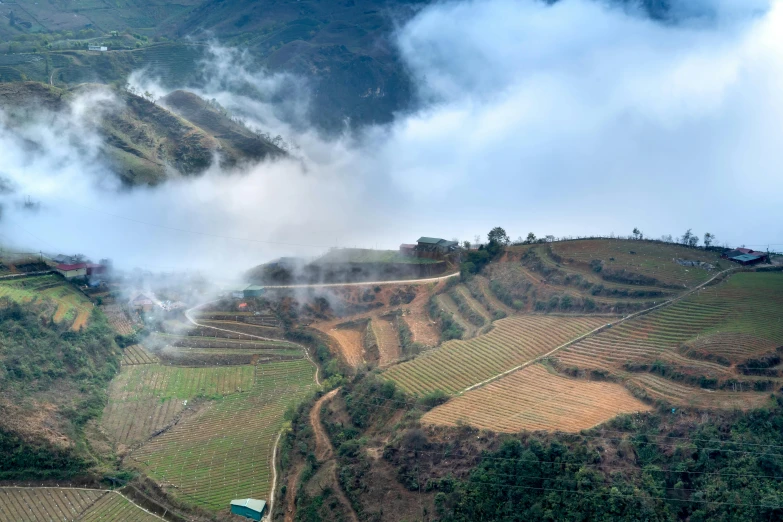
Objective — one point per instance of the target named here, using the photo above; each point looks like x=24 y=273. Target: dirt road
x=368 y=283
x=323 y=446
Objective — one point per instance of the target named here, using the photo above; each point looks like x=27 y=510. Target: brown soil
x=290 y=493
x=351 y=343
x=323 y=446
x=388 y=341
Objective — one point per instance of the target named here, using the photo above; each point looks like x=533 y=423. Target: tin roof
x=67 y=268
x=255 y=505
x=430 y=240
x=745 y=257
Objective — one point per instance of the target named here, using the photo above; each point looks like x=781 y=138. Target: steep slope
x=144 y=142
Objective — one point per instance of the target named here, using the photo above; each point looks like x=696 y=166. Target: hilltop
x=143 y=141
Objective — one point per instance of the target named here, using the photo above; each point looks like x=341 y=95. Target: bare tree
x=709 y=239
x=637 y=234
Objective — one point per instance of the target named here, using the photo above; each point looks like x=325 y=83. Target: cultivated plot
x=457 y=365
x=536 y=399
x=225 y=451
x=145 y=398
x=68 y=505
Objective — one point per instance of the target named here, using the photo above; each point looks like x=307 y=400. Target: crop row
x=36 y=504
x=113 y=506
x=739 y=306
x=145 y=398
x=513 y=341
x=535 y=399
x=225 y=452
x=136 y=354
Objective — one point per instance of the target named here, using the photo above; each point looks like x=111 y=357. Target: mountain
x=143 y=141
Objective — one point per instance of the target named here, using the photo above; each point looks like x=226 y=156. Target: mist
x=575 y=118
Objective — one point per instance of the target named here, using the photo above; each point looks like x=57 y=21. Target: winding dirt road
x=368 y=283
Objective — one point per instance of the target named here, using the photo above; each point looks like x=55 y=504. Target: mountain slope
x=144 y=142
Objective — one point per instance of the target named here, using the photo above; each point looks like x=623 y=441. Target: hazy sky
x=569 y=119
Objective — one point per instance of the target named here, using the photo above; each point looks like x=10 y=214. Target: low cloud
x=567 y=119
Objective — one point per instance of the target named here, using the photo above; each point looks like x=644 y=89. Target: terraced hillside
x=596 y=276
x=724 y=336
x=69 y=305
x=68 y=505
x=457 y=365
x=537 y=399
x=225 y=451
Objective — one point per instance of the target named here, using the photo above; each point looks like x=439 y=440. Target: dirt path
x=290 y=495
x=368 y=283
x=324 y=450
x=323 y=446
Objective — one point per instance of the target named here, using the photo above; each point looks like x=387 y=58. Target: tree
x=466 y=244
x=531 y=238
x=689 y=239
x=637 y=234
x=498 y=236
x=709 y=239
x=549 y=238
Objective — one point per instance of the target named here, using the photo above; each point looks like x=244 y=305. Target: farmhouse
x=408 y=249
x=747 y=259
x=97 y=48
x=435 y=244
x=253 y=291
x=72 y=271
x=141 y=302
x=249 y=508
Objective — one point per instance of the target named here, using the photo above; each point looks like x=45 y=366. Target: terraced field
x=388 y=341
x=747 y=304
x=71 y=306
x=650 y=259
x=224 y=451
x=68 y=504
x=144 y=398
x=447 y=305
x=118 y=319
x=740 y=317
x=457 y=365
x=136 y=354
x=536 y=399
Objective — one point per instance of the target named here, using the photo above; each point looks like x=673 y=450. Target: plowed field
x=535 y=399
x=457 y=365
x=68 y=505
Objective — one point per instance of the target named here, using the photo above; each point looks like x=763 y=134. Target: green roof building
x=254 y=291
x=436 y=244
x=249 y=508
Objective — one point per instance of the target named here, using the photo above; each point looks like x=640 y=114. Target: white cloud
x=568 y=119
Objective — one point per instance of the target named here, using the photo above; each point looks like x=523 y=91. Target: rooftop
x=67 y=268
x=745 y=257
x=255 y=505
x=430 y=240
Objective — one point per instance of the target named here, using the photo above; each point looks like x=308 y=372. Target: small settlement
x=746 y=256
x=429 y=247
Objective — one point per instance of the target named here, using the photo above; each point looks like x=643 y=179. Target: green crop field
x=457 y=365
x=65 y=504
x=144 y=398
x=225 y=451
